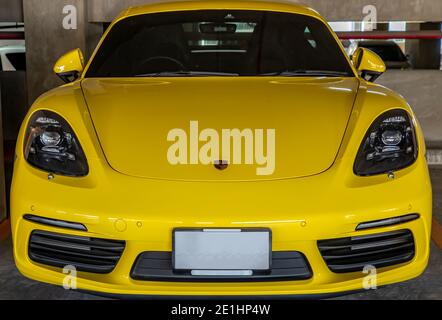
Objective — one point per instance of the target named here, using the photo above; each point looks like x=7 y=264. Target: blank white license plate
x=222 y=249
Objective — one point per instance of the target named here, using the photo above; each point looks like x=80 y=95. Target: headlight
x=389 y=145
x=51 y=145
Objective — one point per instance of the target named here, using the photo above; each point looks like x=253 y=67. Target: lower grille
x=84 y=253
x=379 y=250
x=157 y=266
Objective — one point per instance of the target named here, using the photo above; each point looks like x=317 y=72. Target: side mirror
x=70 y=66
x=368 y=63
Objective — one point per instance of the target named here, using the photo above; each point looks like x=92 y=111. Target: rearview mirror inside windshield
x=217 y=28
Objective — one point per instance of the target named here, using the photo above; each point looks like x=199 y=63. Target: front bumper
x=144 y=212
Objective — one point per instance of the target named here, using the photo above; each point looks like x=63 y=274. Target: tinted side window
x=18 y=60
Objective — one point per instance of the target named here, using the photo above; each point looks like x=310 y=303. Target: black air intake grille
x=86 y=254
x=379 y=250
x=157 y=266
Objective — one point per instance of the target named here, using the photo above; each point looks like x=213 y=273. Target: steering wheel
x=177 y=62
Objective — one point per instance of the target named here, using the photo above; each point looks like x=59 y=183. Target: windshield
x=219 y=43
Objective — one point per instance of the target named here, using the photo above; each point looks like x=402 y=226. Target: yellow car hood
x=133 y=117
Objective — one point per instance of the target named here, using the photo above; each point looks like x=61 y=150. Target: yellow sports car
x=221 y=148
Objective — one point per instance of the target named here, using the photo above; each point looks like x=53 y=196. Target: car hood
x=134 y=118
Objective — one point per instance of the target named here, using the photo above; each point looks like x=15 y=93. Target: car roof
x=183 y=5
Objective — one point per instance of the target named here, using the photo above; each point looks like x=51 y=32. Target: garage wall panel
x=11 y=11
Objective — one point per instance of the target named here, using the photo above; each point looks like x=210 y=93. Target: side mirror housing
x=70 y=66
x=368 y=64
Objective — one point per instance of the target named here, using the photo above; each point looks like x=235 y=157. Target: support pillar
x=47 y=38
x=424 y=53
x=3 y=206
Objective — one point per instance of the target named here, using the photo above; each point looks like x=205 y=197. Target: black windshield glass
x=219 y=42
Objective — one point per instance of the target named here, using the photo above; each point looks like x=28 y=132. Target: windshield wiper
x=187 y=73
x=305 y=73
x=287 y=73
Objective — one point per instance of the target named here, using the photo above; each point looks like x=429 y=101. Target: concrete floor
x=428 y=286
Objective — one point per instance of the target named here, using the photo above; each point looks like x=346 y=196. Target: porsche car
x=221 y=148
